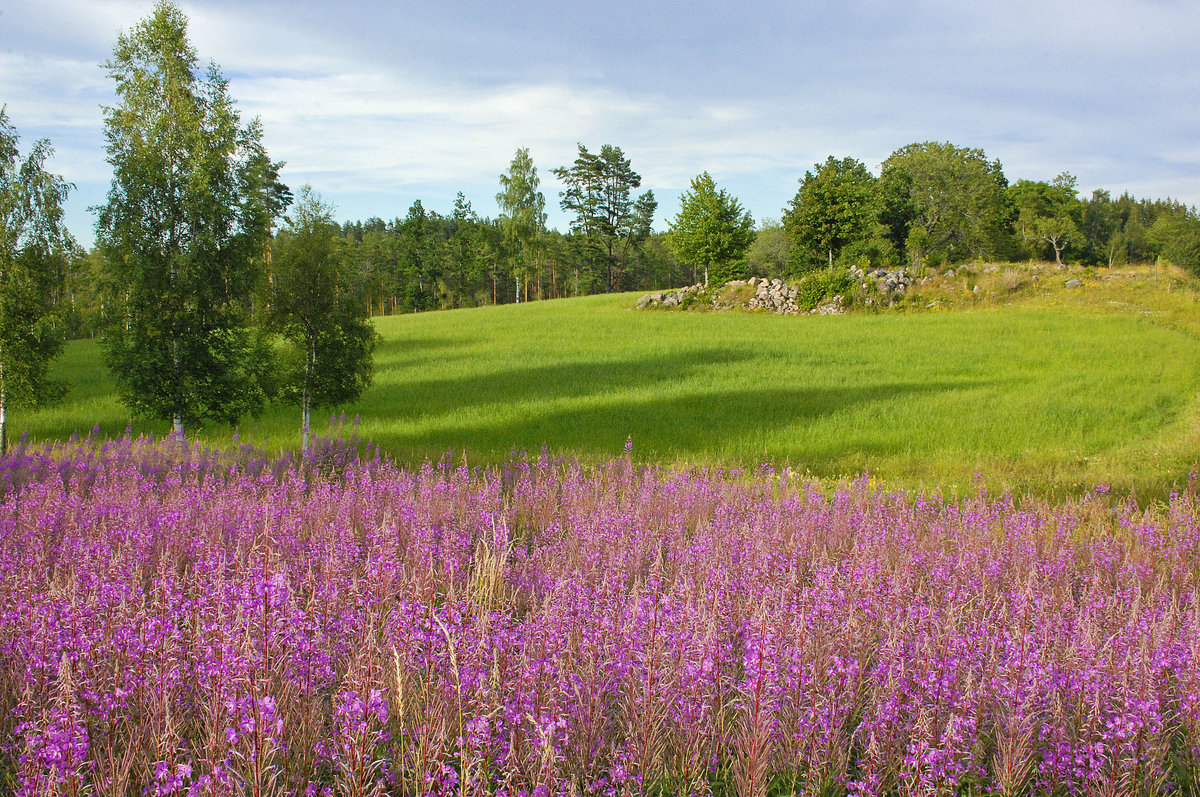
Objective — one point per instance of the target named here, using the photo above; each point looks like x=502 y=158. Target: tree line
x=215 y=290
x=931 y=204
x=935 y=203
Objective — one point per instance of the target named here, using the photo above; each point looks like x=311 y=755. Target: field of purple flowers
x=179 y=622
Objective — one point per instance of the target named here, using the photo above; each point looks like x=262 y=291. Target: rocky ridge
x=870 y=287
x=772 y=295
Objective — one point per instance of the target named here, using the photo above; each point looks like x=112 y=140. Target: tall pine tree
x=609 y=220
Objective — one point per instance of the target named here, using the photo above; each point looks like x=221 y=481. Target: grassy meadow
x=1046 y=391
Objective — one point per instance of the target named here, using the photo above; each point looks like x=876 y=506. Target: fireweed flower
x=223 y=622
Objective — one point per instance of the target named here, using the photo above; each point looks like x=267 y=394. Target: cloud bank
x=378 y=106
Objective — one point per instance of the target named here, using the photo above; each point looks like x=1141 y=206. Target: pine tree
x=597 y=192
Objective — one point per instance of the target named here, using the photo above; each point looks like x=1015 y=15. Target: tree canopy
x=939 y=198
x=597 y=193
x=33 y=243
x=711 y=230
x=318 y=309
x=184 y=232
x=836 y=205
x=523 y=214
x=1048 y=213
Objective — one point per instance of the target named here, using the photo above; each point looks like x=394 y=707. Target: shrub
x=818 y=286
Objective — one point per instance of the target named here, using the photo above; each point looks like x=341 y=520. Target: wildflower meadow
x=179 y=622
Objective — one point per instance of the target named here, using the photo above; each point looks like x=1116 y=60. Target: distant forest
x=431 y=260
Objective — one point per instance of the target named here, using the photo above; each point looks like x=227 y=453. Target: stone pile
x=888 y=281
x=668 y=298
x=772 y=295
x=775 y=295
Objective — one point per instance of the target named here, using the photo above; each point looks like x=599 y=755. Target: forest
x=842 y=215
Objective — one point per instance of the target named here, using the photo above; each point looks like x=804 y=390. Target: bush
x=721 y=273
x=817 y=286
x=1183 y=247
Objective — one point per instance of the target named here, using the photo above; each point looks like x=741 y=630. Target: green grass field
x=1051 y=393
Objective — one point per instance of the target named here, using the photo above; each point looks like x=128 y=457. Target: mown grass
x=1051 y=391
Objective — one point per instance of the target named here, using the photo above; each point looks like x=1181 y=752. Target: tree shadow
x=730 y=426
x=436 y=396
x=396 y=351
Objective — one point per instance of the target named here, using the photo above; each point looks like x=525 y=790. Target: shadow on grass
x=434 y=396
x=394 y=351
x=728 y=427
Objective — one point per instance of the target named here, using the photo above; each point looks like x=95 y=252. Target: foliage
x=465 y=256
x=184 y=232
x=251 y=626
x=835 y=206
x=1048 y=213
x=34 y=248
x=597 y=194
x=522 y=215
x=418 y=264
x=770 y=252
x=317 y=308
x=939 y=199
x=821 y=285
x=1101 y=229
x=455 y=259
x=711 y=231
x=1177 y=237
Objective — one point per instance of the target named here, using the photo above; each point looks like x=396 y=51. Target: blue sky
x=379 y=104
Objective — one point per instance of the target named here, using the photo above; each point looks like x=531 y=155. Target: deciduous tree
x=836 y=205
x=317 y=307
x=939 y=198
x=1048 y=213
x=768 y=256
x=184 y=232
x=711 y=231
x=522 y=216
x=1101 y=229
x=34 y=247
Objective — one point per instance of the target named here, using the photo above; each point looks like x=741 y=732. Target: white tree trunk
x=305 y=399
x=3 y=416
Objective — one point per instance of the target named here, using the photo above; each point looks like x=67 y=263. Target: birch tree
x=317 y=307
x=33 y=242
x=185 y=231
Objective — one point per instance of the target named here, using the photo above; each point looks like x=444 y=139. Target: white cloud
x=378 y=103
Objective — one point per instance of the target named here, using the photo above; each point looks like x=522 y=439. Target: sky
x=376 y=105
